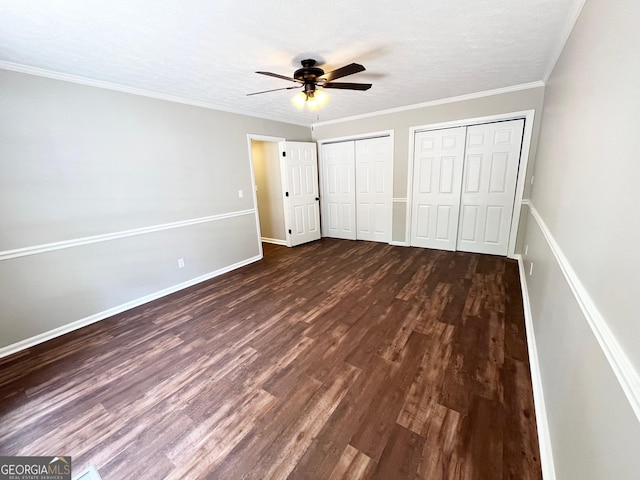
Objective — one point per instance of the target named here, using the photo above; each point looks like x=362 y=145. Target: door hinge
x=286 y=194
x=284 y=154
x=289 y=231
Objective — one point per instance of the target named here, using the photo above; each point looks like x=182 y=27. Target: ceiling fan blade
x=344 y=71
x=269 y=74
x=274 y=90
x=348 y=86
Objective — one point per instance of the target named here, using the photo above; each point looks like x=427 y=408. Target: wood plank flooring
x=332 y=360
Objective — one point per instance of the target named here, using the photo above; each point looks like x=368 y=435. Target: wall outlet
x=531 y=269
x=526 y=249
x=181 y=263
x=240 y=194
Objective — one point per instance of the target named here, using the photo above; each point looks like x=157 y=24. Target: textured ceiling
x=206 y=51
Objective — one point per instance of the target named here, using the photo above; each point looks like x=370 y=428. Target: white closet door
x=301 y=184
x=437 y=176
x=338 y=190
x=488 y=187
x=374 y=189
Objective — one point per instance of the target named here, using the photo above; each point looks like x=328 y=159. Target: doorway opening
x=285 y=182
x=265 y=158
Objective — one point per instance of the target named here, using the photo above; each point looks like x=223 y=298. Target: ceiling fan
x=310 y=77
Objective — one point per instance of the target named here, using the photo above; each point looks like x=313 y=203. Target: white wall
x=585 y=271
x=81 y=162
x=266 y=169
x=400 y=122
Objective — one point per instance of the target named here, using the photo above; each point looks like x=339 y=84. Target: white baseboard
x=83 y=322
x=398 y=244
x=542 y=423
x=274 y=241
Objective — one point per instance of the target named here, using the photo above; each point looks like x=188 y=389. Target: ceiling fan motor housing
x=309 y=73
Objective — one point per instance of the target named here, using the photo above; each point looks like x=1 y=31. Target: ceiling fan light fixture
x=312 y=99
x=318 y=99
x=299 y=99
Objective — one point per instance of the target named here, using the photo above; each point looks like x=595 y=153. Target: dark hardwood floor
x=332 y=360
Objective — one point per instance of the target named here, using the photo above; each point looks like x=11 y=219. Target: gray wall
x=80 y=161
x=586 y=194
x=400 y=122
x=266 y=168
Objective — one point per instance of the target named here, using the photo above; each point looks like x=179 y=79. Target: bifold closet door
x=373 y=189
x=492 y=158
x=356 y=189
x=338 y=190
x=437 y=175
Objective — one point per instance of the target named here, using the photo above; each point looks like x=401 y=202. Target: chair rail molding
x=618 y=360
x=75 y=242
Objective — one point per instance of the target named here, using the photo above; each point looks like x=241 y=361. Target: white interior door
x=373 y=189
x=338 y=190
x=301 y=192
x=437 y=177
x=491 y=165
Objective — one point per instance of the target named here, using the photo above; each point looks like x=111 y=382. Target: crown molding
x=433 y=103
x=41 y=72
x=574 y=13
x=65 y=77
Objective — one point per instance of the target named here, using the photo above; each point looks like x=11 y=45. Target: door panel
x=424 y=176
x=489 y=184
x=448 y=177
x=338 y=190
x=373 y=185
x=298 y=223
x=423 y=219
x=493 y=224
x=301 y=167
x=469 y=218
x=437 y=177
x=443 y=225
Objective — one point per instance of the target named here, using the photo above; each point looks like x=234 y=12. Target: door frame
x=527 y=115
x=280 y=141
x=360 y=136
